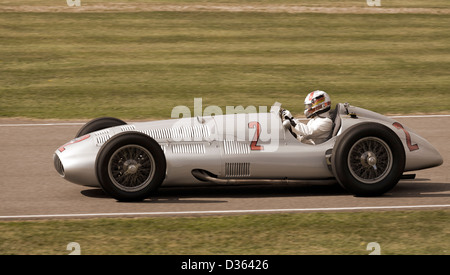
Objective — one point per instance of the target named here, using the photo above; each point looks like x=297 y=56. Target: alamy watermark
x=74 y=247
x=73 y=3
x=373 y=3
x=256 y=125
x=374 y=247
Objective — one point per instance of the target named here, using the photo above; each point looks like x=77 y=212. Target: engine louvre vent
x=194 y=148
x=102 y=139
x=128 y=128
x=101 y=132
x=237 y=169
x=194 y=133
x=232 y=147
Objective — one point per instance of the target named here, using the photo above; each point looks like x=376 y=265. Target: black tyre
x=130 y=166
x=368 y=159
x=99 y=124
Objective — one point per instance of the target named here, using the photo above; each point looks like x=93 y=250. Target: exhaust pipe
x=210 y=177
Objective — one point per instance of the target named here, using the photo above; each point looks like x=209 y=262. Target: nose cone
x=433 y=160
x=438 y=159
x=58 y=165
x=426 y=156
x=75 y=161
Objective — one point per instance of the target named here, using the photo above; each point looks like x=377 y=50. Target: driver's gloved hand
x=287 y=115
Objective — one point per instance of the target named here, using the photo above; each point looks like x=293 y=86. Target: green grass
x=142 y=64
x=397 y=232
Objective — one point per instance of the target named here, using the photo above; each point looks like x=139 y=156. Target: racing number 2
x=411 y=147
x=253 y=144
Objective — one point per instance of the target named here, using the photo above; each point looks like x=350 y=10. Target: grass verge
x=137 y=65
x=397 y=232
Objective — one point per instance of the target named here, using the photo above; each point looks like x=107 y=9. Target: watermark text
x=373 y=3
x=73 y=3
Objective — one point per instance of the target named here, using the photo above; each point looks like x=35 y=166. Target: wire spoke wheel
x=131 y=168
x=370 y=160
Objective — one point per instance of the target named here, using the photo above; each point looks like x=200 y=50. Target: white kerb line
x=82 y=123
x=221 y=211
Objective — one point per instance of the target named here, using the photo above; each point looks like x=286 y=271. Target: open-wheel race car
x=367 y=153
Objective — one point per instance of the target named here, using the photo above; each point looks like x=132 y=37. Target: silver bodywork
x=237 y=147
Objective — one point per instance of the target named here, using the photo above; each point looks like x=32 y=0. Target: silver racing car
x=367 y=153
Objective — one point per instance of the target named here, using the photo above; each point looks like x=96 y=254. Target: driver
x=319 y=127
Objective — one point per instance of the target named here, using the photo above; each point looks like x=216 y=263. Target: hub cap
x=131 y=168
x=370 y=160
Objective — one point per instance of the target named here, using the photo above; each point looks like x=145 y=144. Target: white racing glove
x=287 y=115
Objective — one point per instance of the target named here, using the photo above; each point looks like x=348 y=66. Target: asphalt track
x=30 y=188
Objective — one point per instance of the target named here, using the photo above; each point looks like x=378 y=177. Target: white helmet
x=317 y=102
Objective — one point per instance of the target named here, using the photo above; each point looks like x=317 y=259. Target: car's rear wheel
x=99 y=124
x=368 y=159
x=130 y=166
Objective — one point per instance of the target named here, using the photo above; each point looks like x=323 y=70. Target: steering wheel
x=280 y=113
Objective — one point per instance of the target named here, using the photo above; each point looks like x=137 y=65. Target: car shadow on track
x=99 y=194
x=419 y=188
x=254 y=191
x=173 y=194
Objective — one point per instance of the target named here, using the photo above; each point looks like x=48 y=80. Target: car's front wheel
x=368 y=159
x=130 y=166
